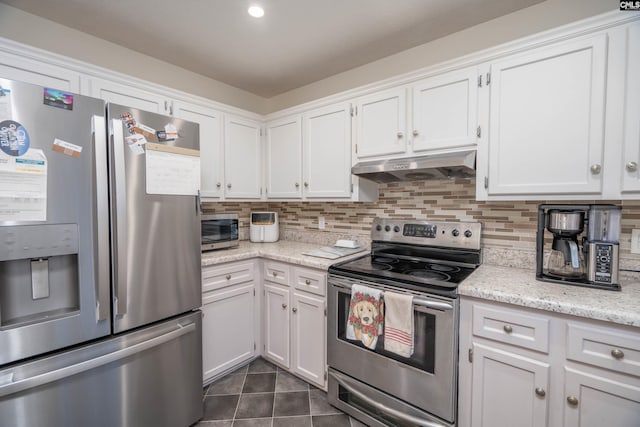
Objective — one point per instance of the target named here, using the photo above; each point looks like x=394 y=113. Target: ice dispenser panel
x=38 y=273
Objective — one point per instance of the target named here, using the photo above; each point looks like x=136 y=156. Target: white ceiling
x=296 y=43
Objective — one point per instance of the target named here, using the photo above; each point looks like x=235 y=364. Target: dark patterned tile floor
x=262 y=395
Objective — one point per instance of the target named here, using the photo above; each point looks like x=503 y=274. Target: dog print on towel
x=366 y=317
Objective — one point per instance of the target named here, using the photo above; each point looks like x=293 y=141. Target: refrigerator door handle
x=67 y=371
x=101 y=217
x=120 y=217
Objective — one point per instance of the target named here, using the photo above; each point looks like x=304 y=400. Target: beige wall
x=537 y=18
x=48 y=35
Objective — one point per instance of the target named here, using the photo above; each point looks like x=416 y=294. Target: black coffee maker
x=577 y=259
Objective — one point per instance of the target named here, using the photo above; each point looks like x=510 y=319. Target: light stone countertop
x=520 y=287
x=501 y=284
x=285 y=251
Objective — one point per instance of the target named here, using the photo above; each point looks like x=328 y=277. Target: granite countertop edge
x=516 y=286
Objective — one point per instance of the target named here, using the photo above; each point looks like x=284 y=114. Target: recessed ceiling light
x=256 y=11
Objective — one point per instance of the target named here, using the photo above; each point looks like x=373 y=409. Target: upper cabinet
x=129 y=96
x=242 y=158
x=326 y=148
x=630 y=162
x=283 y=158
x=211 y=149
x=547 y=119
x=28 y=70
x=445 y=110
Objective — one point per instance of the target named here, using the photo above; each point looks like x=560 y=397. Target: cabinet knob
x=507 y=328
x=400 y=134
x=229 y=185
x=307 y=282
x=228 y=277
x=297 y=185
x=617 y=353
x=274 y=274
x=295 y=310
x=416 y=133
x=572 y=400
x=284 y=306
x=306 y=185
x=540 y=392
x=596 y=169
x=632 y=166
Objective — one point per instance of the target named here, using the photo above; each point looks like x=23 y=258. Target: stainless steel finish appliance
x=452 y=164
x=264 y=227
x=426 y=260
x=219 y=231
x=99 y=276
x=576 y=258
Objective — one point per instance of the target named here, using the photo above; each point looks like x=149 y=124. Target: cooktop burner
x=426 y=274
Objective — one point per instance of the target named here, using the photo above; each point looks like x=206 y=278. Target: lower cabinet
x=295 y=321
x=527 y=367
x=229 y=318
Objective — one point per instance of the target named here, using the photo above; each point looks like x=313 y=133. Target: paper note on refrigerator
x=23 y=186
x=172 y=170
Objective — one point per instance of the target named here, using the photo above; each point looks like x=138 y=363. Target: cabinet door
x=211 y=153
x=546 y=122
x=309 y=337
x=227 y=328
x=242 y=154
x=276 y=324
x=631 y=140
x=594 y=401
x=39 y=73
x=381 y=123
x=326 y=152
x=284 y=158
x=507 y=389
x=128 y=96
x=445 y=110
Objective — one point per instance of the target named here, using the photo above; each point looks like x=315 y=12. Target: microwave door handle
x=120 y=217
x=351 y=387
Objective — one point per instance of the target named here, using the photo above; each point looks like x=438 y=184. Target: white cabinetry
x=211 y=149
x=29 y=70
x=630 y=164
x=229 y=317
x=528 y=367
x=381 y=122
x=129 y=96
x=243 y=158
x=295 y=322
x=326 y=151
x=284 y=158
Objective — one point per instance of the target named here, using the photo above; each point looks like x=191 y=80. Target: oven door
x=427 y=379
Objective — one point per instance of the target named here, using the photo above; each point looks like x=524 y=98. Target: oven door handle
x=422 y=302
x=351 y=387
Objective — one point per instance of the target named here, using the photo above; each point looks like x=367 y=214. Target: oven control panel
x=447 y=234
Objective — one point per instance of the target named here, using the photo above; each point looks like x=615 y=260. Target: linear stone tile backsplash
x=508 y=233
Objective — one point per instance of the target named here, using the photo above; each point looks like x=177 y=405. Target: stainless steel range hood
x=429 y=166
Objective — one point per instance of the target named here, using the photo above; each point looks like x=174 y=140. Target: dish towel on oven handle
x=365 y=315
x=398 y=323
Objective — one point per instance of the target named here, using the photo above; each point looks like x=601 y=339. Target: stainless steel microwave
x=219 y=231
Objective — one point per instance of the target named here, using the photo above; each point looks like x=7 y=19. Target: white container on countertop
x=264 y=227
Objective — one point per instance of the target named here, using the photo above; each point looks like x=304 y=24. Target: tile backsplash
x=508 y=233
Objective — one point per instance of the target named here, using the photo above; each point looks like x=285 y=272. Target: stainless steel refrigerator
x=100 y=276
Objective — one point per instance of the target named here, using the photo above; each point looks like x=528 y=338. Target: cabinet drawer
x=604 y=347
x=226 y=275
x=511 y=327
x=276 y=272
x=313 y=281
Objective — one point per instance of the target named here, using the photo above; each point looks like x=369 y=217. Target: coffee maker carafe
x=576 y=257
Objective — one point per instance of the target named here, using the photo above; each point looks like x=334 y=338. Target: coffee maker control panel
x=603 y=257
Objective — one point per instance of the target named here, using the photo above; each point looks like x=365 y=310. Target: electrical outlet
x=635 y=241
x=320 y=223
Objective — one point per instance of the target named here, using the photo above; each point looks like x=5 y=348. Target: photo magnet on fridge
x=59 y=99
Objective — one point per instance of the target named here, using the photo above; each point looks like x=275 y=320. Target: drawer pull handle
x=307 y=282
x=295 y=310
x=507 y=328
x=540 y=392
x=228 y=277
x=572 y=400
x=617 y=354
x=275 y=274
x=284 y=306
